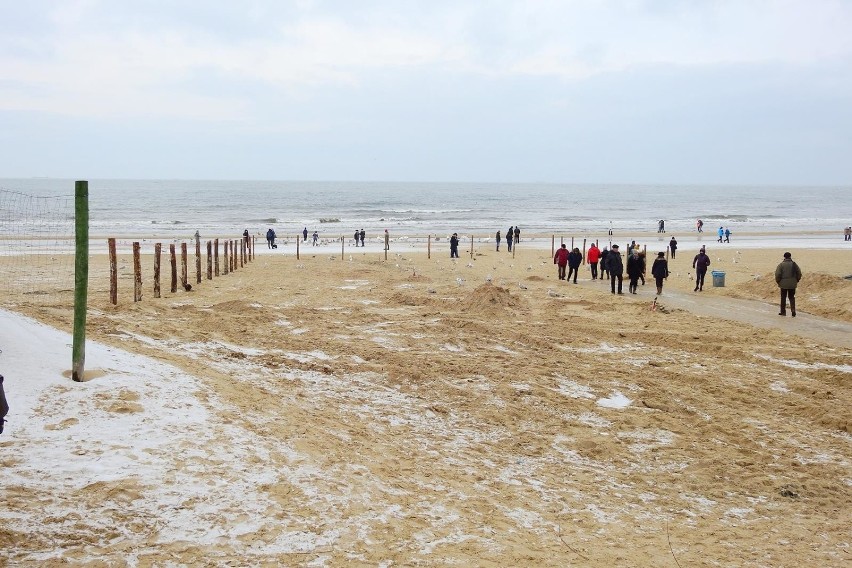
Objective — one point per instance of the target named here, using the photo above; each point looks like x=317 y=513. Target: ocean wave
x=264 y=221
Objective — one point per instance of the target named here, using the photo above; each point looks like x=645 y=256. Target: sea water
x=178 y=208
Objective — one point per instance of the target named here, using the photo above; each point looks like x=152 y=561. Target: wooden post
x=137 y=274
x=113 y=273
x=429 y=246
x=514 y=246
x=209 y=261
x=572 y=243
x=552 y=245
x=471 y=247
x=297 y=247
x=226 y=263
x=243 y=244
x=158 y=251
x=645 y=252
x=183 y=272
x=198 y=260
x=81 y=278
x=216 y=257
x=584 y=251
x=342 y=241
x=174 y=267
x=387 y=243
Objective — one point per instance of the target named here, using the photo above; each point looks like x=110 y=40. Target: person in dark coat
x=270 y=238
x=615 y=266
x=673 y=247
x=660 y=270
x=304 y=234
x=604 y=269
x=498 y=241
x=4 y=406
x=561 y=260
x=454 y=246
x=517 y=234
x=787 y=276
x=363 y=234
x=510 y=234
x=634 y=270
x=575 y=259
x=700 y=264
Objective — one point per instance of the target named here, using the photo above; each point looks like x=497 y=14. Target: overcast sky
x=641 y=91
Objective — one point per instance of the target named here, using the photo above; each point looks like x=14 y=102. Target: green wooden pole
x=81 y=278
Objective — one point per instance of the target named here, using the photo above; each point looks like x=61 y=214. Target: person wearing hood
x=634 y=270
x=700 y=264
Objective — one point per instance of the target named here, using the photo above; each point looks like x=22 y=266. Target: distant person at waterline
x=699 y=225
x=454 y=246
x=363 y=234
x=661 y=226
x=497 y=237
x=517 y=234
x=270 y=238
x=847 y=234
x=727 y=235
x=305 y=234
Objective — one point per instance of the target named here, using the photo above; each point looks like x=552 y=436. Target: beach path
x=752 y=312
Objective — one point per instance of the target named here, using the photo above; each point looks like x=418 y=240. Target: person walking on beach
x=4 y=406
x=575 y=259
x=721 y=233
x=561 y=260
x=661 y=227
x=246 y=237
x=363 y=234
x=699 y=225
x=387 y=240
x=634 y=270
x=357 y=234
x=305 y=235
x=700 y=264
x=847 y=234
x=673 y=247
x=604 y=267
x=509 y=235
x=787 y=276
x=593 y=256
x=498 y=240
x=727 y=235
x=615 y=266
x=643 y=266
x=660 y=270
x=517 y=234
x=454 y=246
x=315 y=238
x=270 y=238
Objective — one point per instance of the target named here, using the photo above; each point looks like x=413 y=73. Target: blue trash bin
x=718 y=279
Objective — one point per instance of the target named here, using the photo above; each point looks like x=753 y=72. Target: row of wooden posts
x=237 y=253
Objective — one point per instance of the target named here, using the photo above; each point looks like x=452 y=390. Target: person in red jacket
x=561 y=259
x=593 y=257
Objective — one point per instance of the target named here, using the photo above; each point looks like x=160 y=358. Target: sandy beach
x=476 y=412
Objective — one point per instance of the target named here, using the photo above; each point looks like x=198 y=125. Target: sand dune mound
x=488 y=298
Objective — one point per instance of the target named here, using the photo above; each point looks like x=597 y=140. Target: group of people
x=359 y=236
x=512 y=235
x=723 y=233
